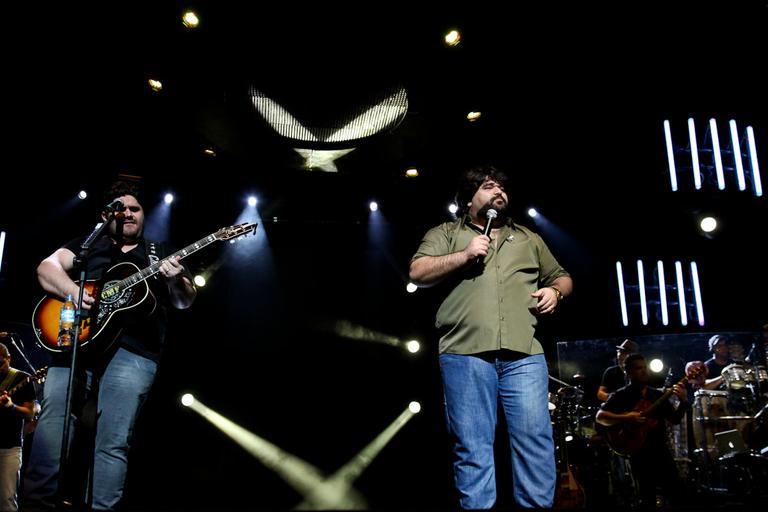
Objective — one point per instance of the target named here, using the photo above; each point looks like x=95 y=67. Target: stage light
x=532 y=213
x=473 y=116
x=670 y=156
x=716 y=151
x=155 y=85
x=252 y=201
x=414 y=407
x=199 y=280
x=697 y=293
x=82 y=194
x=190 y=20
x=641 y=287
x=187 y=399
x=694 y=153
x=412 y=173
x=708 y=224
x=168 y=198
x=2 y=247
x=410 y=287
x=756 y=179
x=413 y=346
x=622 y=294
x=736 y=151
x=374 y=206
x=453 y=208
x=656 y=365
x=681 y=293
x=568 y=438
x=452 y=38
x=662 y=293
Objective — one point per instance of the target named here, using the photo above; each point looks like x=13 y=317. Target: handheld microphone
x=490 y=215
x=114 y=206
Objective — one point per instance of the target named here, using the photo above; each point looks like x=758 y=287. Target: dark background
x=573 y=101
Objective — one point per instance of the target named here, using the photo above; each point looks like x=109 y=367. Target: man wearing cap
x=720 y=360
x=615 y=377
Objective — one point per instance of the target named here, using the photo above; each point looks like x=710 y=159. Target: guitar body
x=628 y=438
x=113 y=307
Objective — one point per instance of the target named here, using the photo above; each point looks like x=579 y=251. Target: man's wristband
x=558 y=293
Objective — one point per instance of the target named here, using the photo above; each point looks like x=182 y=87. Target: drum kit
x=729 y=430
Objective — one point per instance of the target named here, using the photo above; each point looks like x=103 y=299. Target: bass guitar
x=628 y=438
x=121 y=292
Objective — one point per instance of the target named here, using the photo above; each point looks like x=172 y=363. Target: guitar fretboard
x=153 y=269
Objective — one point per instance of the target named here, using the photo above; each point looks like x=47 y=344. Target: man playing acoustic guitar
x=640 y=413
x=120 y=377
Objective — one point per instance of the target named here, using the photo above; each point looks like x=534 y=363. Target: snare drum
x=713 y=412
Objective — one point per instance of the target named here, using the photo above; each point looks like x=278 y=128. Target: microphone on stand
x=490 y=214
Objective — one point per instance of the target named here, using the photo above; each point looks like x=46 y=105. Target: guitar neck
x=153 y=269
x=664 y=396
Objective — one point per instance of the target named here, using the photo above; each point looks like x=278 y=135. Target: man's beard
x=500 y=210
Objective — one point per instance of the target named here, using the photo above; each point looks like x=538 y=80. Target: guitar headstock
x=235 y=231
x=696 y=372
x=39 y=375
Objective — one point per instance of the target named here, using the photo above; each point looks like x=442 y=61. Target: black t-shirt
x=715 y=369
x=143 y=332
x=11 y=422
x=614 y=378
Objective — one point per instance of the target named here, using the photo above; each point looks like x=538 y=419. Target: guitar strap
x=8 y=379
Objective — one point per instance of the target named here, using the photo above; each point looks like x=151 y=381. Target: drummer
x=720 y=361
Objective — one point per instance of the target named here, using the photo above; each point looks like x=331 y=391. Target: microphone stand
x=79 y=262
x=20 y=351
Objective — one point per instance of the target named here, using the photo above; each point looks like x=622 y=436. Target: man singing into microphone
x=115 y=376
x=496 y=286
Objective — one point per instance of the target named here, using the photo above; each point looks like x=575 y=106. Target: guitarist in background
x=652 y=465
x=13 y=411
x=119 y=378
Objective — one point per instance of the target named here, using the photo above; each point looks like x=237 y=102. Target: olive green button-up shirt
x=489 y=307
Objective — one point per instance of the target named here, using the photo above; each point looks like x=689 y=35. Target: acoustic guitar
x=121 y=292
x=628 y=438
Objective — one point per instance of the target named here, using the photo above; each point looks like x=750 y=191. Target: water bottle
x=67 y=322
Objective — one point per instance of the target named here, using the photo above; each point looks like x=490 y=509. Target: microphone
x=114 y=206
x=490 y=214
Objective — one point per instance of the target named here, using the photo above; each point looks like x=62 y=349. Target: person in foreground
x=117 y=373
x=496 y=286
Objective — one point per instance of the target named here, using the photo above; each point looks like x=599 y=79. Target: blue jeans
x=122 y=389
x=473 y=386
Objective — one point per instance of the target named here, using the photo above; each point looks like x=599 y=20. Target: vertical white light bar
x=670 y=156
x=697 y=293
x=681 y=293
x=662 y=293
x=716 y=154
x=694 y=153
x=622 y=297
x=2 y=247
x=641 y=285
x=753 y=162
x=736 y=147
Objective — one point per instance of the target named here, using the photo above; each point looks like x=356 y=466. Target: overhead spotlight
x=252 y=201
x=373 y=205
x=473 y=116
x=414 y=407
x=168 y=198
x=82 y=194
x=190 y=19
x=453 y=208
x=187 y=399
x=532 y=212
x=199 y=280
x=410 y=287
x=413 y=346
x=656 y=365
x=412 y=173
x=155 y=85
x=209 y=152
x=708 y=224
x=452 y=38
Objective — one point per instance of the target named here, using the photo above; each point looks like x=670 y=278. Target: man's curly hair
x=471 y=180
